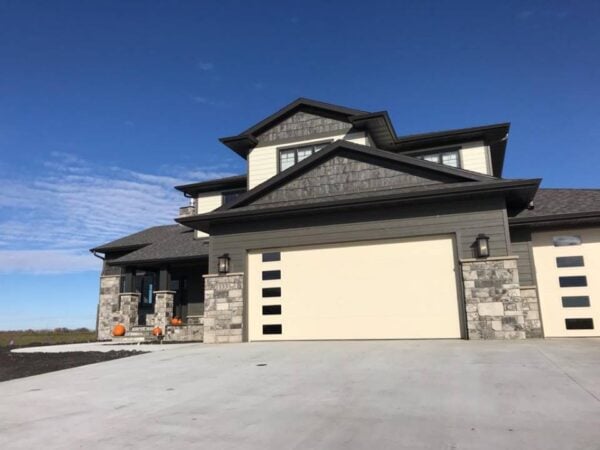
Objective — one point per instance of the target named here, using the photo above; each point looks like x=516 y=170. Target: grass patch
x=21 y=338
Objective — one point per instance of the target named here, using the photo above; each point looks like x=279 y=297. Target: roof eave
x=528 y=187
x=554 y=220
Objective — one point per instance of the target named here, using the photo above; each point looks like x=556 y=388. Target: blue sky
x=104 y=106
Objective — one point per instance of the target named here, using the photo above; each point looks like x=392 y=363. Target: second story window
x=446 y=158
x=290 y=156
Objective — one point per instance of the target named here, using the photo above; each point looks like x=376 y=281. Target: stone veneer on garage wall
x=223 y=308
x=108 y=306
x=495 y=306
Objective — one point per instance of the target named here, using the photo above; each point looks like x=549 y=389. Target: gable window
x=448 y=158
x=290 y=156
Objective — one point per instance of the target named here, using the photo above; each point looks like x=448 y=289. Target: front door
x=179 y=285
x=145 y=285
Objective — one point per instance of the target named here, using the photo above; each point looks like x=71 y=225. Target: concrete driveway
x=318 y=395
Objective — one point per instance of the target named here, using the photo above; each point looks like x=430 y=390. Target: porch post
x=164 y=279
x=163 y=308
x=129 y=309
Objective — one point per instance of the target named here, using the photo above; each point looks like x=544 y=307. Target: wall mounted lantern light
x=223 y=263
x=483 y=246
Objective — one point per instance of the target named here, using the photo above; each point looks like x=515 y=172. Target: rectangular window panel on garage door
x=574 y=281
x=579 y=324
x=575 y=301
x=569 y=261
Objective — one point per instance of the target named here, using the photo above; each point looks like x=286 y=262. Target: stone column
x=129 y=309
x=163 y=308
x=531 y=312
x=493 y=298
x=108 y=306
x=223 y=308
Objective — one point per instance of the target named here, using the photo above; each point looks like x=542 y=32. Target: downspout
x=95 y=253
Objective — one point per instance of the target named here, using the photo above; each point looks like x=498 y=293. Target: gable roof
x=456 y=183
x=553 y=207
x=346 y=147
x=247 y=139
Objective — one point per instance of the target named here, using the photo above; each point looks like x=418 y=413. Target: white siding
x=262 y=161
x=206 y=203
x=475 y=157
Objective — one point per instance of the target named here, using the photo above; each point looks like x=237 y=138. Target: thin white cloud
x=48 y=222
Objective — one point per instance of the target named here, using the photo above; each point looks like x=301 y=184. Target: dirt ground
x=18 y=365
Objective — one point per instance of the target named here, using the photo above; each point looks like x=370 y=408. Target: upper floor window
x=290 y=156
x=449 y=158
x=229 y=196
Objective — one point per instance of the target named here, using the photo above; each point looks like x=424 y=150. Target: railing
x=186 y=211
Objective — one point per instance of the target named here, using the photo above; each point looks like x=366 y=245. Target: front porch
x=150 y=295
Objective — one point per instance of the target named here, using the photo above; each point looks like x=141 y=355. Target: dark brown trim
x=157 y=260
x=556 y=220
x=234 y=182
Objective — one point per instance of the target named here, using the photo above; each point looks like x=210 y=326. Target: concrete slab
x=99 y=347
x=318 y=395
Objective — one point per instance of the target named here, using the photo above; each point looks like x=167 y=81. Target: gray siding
x=465 y=218
x=344 y=175
x=521 y=246
x=303 y=125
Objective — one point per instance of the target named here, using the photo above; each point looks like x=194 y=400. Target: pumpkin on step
x=118 y=330
x=156 y=331
x=174 y=321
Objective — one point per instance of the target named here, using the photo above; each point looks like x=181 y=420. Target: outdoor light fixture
x=223 y=263
x=483 y=246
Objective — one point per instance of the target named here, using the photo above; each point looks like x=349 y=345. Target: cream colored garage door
x=368 y=290
x=567 y=265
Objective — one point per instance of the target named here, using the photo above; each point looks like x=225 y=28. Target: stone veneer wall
x=223 y=308
x=130 y=302
x=531 y=312
x=108 y=306
x=163 y=309
x=494 y=305
x=184 y=333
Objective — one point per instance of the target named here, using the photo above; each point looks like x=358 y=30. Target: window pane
x=271 y=310
x=576 y=281
x=450 y=159
x=271 y=292
x=271 y=329
x=576 y=301
x=304 y=153
x=271 y=275
x=579 y=324
x=432 y=158
x=569 y=261
x=563 y=241
x=287 y=158
x=271 y=256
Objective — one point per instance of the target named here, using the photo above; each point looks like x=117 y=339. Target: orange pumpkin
x=156 y=331
x=118 y=330
x=179 y=321
x=174 y=321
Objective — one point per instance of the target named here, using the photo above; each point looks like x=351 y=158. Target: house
x=341 y=229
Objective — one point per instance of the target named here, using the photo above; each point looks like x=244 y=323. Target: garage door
x=567 y=267
x=367 y=290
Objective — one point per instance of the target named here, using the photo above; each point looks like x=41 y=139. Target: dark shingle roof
x=554 y=202
x=167 y=242
x=138 y=239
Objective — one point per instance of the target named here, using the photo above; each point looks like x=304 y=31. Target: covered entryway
x=397 y=289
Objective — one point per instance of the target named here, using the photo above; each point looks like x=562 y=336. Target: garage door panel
x=371 y=290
